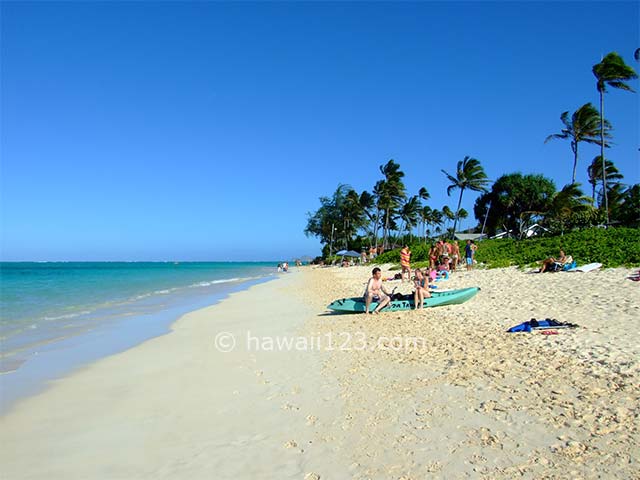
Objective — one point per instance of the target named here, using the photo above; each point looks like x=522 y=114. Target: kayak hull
x=437 y=299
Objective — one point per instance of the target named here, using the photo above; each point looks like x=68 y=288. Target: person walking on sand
x=375 y=292
x=405 y=259
x=422 y=289
x=469 y=251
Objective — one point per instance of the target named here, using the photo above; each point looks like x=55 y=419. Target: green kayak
x=437 y=299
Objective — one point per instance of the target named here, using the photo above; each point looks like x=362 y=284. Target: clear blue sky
x=207 y=131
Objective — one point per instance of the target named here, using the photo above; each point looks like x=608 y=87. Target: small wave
x=225 y=280
x=68 y=315
x=215 y=282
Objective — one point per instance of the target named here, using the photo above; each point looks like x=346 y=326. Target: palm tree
x=582 y=127
x=462 y=214
x=437 y=219
x=470 y=175
x=614 y=72
x=367 y=203
x=567 y=203
x=447 y=215
x=595 y=174
x=426 y=217
x=353 y=216
x=410 y=213
x=423 y=194
x=390 y=193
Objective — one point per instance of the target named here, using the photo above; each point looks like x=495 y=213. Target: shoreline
x=62 y=357
x=175 y=406
x=473 y=401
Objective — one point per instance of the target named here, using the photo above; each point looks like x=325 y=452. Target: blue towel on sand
x=545 y=324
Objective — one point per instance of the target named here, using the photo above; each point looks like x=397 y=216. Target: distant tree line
x=388 y=215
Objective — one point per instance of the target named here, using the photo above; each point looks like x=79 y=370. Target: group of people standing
x=445 y=255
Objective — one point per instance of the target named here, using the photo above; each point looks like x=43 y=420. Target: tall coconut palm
x=367 y=203
x=391 y=193
x=469 y=175
x=410 y=214
x=426 y=217
x=353 y=216
x=611 y=71
x=462 y=214
x=584 y=126
x=437 y=218
x=447 y=215
x=423 y=193
x=594 y=171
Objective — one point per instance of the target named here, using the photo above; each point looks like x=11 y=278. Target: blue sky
x=207 y=131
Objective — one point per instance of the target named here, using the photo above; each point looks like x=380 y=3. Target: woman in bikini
x=422 y=289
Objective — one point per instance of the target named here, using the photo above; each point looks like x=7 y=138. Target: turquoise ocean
x=55 y=316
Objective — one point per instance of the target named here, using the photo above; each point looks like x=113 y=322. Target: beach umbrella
x=349 y=253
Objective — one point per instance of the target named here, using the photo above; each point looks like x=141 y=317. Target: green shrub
x=612 y=247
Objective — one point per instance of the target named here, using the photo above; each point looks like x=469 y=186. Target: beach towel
x=545 y=324
x=586 y=268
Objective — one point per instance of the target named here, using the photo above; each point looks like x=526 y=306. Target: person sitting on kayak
x=422 y=289
x=375 y=292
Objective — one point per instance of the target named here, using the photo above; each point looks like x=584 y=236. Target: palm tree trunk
x=604 y=172
x=575 y=162
x=376 y=228
x=455 y=221
x=386 y=230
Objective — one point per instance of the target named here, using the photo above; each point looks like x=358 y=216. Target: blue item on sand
x=534 y=324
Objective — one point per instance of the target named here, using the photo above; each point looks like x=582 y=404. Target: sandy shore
x=477 y=402
x=177 y=407
x=471 y=401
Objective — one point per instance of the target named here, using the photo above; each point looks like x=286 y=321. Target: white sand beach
x=472 y=402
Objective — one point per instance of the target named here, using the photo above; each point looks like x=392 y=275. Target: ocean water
x=54 y=306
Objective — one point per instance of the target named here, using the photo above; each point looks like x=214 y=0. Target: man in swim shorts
x=375 y=292
x=469 y=251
